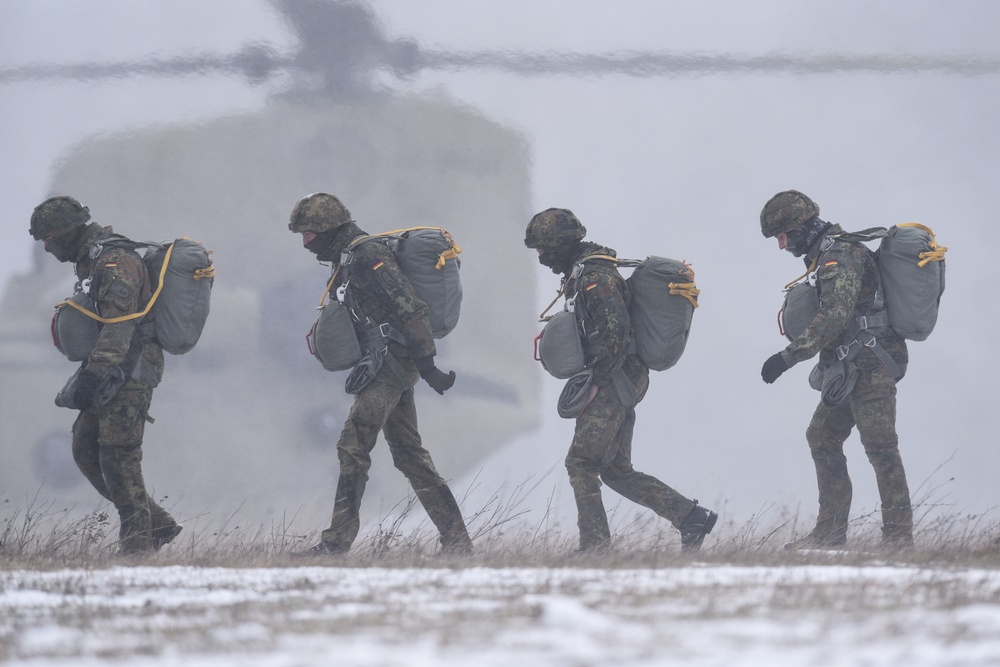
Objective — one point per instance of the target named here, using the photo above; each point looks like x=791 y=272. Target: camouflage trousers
x=107 y=448
x=602 y=451
x=872 y=408
x=384 y=405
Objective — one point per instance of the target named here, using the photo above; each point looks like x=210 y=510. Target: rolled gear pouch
x=74 y=332
x=839 y=378
x=576 y=395
x=106 y=390
x=559 y=347
x=333 y=340
x=364 y=371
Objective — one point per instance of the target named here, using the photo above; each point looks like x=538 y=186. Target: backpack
x=181 y=275
x=428 y=257
x=912 y=279
x=663 y=299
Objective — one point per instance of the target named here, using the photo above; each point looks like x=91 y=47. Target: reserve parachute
x=428 y=257
x=181 y=275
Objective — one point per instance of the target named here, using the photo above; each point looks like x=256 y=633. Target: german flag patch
x=590 y=287
x=377 y=265
x=110 y=265
x=832 y=262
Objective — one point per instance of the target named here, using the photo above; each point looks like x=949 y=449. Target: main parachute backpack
x=181 y=276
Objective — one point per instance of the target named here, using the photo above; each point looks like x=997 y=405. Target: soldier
x=602 y=443
x=115 y=385
x=381 y=293
x=847 y=281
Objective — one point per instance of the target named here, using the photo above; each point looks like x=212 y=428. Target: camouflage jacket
x=385 y=295
x=119 y=285
x=847 y=279
x=601 y=301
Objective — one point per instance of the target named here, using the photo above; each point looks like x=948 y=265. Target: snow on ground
x=691 y=615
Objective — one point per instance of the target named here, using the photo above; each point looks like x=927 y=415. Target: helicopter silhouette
x=248 y=418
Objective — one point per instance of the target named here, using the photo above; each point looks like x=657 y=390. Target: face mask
x=559 y=259
x=64 y=247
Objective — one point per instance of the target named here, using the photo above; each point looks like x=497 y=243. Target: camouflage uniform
x=847 y=280
x=602 y=442
x=107 y=439
x=386 y=404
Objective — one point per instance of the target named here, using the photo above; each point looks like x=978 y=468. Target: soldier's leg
x=414 y=461
x=122 y=423
x=591 y=451
x=826 y=434
x=874 y=404
x=357 y=440
x=639 y=487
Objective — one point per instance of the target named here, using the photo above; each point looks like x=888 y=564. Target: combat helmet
x=553 y=227
x=56 y=216
x=786 y=211
x=318 y=212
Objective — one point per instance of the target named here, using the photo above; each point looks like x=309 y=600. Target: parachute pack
x=181 y=275
x=664 y=297
x=912 y=273
x=428 y=257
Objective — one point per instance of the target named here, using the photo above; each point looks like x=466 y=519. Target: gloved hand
x=432 y=375
x=86 y=390
x=438 y=380
x=773 y=368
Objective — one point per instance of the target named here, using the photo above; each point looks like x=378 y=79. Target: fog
x=880 y=117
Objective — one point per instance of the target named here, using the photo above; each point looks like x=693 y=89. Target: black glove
x=86 y=390
x=773 y=368
x=432 y=375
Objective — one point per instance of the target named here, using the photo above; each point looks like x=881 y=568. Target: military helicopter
x=248 y=418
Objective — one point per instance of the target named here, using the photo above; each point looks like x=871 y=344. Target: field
x=245 y=598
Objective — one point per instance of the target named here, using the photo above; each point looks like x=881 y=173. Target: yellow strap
x=329 y=286
x=812 y=267
x=936 y=253
x=133 y=316
x=686 y=290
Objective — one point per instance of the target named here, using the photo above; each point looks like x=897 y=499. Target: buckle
x=872 y=343
x=383 y=330
x=842 y=352
x=862 y=322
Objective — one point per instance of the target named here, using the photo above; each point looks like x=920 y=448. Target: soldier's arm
x=605 y=303
x=839 y=277
x=119 y=275
x=384 y=275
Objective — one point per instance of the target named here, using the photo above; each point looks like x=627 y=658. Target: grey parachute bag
x=182 y=275
x=559 y=346
x=332 y=338
x=74 y=331
x=664 y=297
x=799 y=309
x=912 y=267
x=428 y=257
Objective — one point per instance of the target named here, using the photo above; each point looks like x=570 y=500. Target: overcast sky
x=677 y=166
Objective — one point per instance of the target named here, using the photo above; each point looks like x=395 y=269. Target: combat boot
x=698 y=523
x=134 y=535
x=819 y=539
x=164 y=535
x=445 y=514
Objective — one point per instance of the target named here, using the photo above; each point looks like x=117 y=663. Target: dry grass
x=42 y=536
